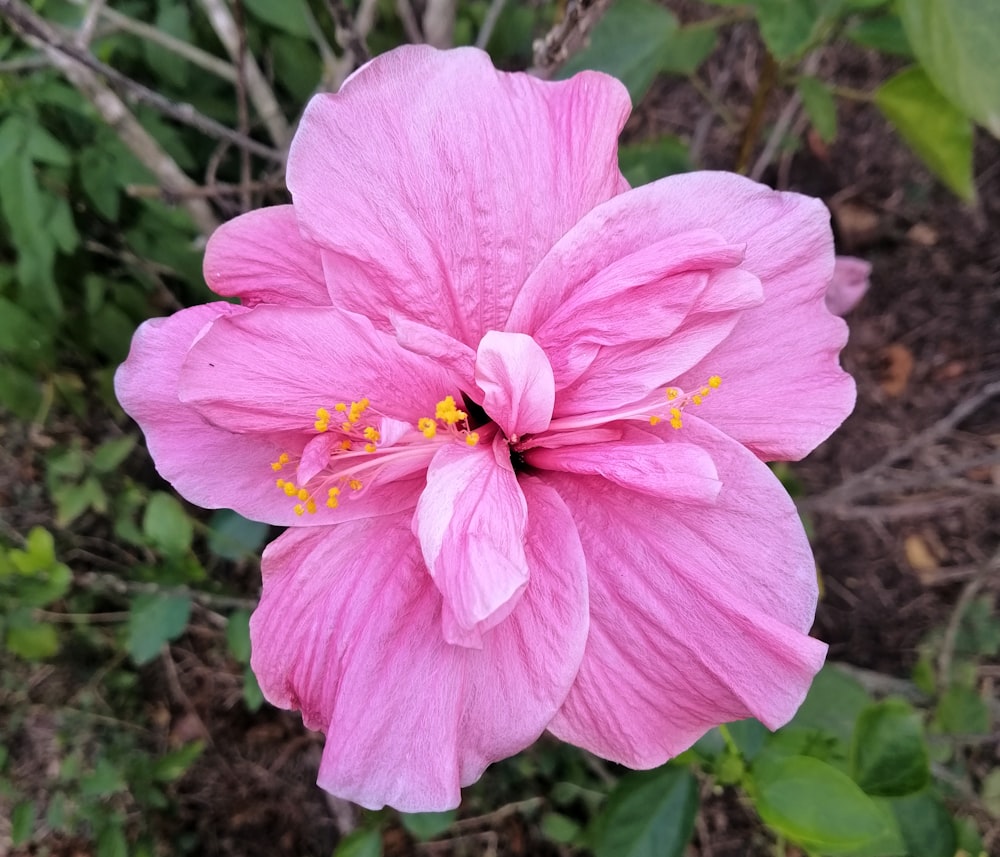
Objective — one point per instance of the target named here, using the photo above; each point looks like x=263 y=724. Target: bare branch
x=567 y=36
x=363 y=23
x=38 y=32
x=410 y=24
x=347 y=35
x=258 y=89
x=489 y=23
x=439 y=23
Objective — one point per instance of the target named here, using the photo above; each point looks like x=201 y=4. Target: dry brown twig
x=348 y=36
x=567 y=36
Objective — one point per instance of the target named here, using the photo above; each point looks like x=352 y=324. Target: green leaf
x=106 y=779
x=22 y=822
x=21 y=334
x=649 y=814
x=818 y=807
x=645 y=162
x=926 y=825
x=253 y=697
x=820 y=107
x=33 y=642
x=962 y=711
x=73 y=500
x=936 y=130
x=174 y=765
x=167 y=525
x=361 y=843
x=889 y=754
x=287 y=15
x=13 y=135
x=557 y=827
x=238 y=636
x=232 y=536
x=111 y=453
x=884 y=34
x=427 y=825
x=153 y=621
x=629 y=42
x=787 y=26
x=175 y=20
x=957 y=43
x=834 y=702
x=687 y=48
x=112 y=842
x=44 y=148
x=19 y=392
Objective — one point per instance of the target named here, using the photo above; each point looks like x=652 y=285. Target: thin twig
x=86 y=30
x=409 y=20
x=567 y=36
x=784 y=122
x=258 y=89
x=439 y=23
x=145 y=191
x=364 y=20
x=242 y=112
x=347 y=35
x=489 y=23
x=38 y=32
x=969 y=591
x=765 y=84
x=100 y=581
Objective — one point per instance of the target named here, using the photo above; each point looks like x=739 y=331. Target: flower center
x=354 y=443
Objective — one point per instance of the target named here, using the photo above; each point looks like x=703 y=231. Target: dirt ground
x=896 y=548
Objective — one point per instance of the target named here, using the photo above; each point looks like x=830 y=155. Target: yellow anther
x=333 y=492
x=332 y=503
x=714 y=381
x=448 y=411
x=427 y=426
x=283 y=458
x=302 y=494
x=311 y=507
x=321 y=425
x=696 y=399
x=675 y=413
x=345 y=445
x=280 y=483
x=676 y=423
x=364 y=403
x=299 y=509
x=704 y=391
x=472 y=438
x=356 y=484
x=370 y=447
x=653 y=420
x=372 y=434
x=322 y=419
x=322 y=414
x=276 y=466
x=346 y=427
x=672 y=393
x=340 y=406
x=290 y=489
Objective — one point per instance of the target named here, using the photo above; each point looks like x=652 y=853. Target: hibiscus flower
x=515 y=415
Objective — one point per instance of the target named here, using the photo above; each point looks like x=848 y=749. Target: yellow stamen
x=356 y=484
x=672 y=393
x=427 y=426
x=653 y=420
x=290 y=489
x=370 y=447
x=676 y=423
x=332 y=503
x=346 y=427
x=372 y=434
x=696 y=399
x=472 y=438
x=714 y=381
x=302 y=494
x=299 y=509
x=345 y=445
x=447 y=411
x=311 y=507
x=340 y=406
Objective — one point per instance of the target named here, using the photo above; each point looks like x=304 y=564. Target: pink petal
x=699 y=611
x=349 y=631
x=849 y=284
x=783 y=390
x=261 y=257
x=437 y=183
x=626 y=301
x=516 y=379
x=665 y=467
x=209 y=465
x=448 y=352
x=272 y=368
x=471 y=521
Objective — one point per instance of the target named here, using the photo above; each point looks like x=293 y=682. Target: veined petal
x=436 y=183
x=209 y=465
x=471 y=522
x=784 y=389
x=666 y=467
x=699 y=612
x=517 y=382
x=261 y=257
x=349 y=631
x=272 y=368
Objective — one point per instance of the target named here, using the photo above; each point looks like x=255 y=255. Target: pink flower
x=515 y=414
x=849 y=284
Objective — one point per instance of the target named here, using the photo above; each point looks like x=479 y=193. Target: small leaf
x=642 y=163
x=427 y=825
x=174 y=765
x=687 y=48
x=962 y=711
x=937 y=131
x=153 y=621
x=816 y=806
x=167 y=525
x=22 y=822
x=111 y=453
x=957 y=43
x=884 y=34
x=559 y=828
x=649 y=814
x=787 y=27
x=629 y=42
x=33 y=642
x=287 y=15
x=361 y=843
x=253 y=697
x=889 y=754
x=820 y=107
x=833 y=704
x=926 y=825
x=232 y=536
x=238 y=636
x=45 y=148
x=112 y=842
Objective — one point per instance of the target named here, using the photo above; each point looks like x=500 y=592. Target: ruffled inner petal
x=517 y=382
